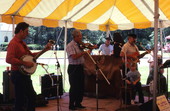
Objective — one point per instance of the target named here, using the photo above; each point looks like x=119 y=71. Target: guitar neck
x=44 y=50
x=142 y=55
x=39 y=54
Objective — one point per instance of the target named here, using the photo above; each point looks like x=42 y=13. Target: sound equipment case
x=8 y=88
x=46 y=85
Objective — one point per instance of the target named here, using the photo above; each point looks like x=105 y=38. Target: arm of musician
x=112 y=52
x=150 y=61
x=47 y=47
x=14 y=61
x=94 y=47
x=134 y=82
x=133 y=55
x=122 y=54
x=100 y=49
x=76 y=56
x=11 y=57
x=99 y=52
x=127 y=81
x=148 y=51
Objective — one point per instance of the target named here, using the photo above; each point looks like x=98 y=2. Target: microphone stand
x=125 y=82
x=125 y=86
x=167 y=83
x=52 y=81
x=97 y=69
x=58 y=73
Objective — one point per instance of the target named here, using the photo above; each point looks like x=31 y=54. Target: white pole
x=13 y=26
x=161 y=40
x=107 y=31
x=156 y=18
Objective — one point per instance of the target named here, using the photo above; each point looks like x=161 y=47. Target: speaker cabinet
x=51 y=84
x=8 y=87
x=148 y=106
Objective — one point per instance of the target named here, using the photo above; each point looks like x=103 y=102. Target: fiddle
x=83 y=45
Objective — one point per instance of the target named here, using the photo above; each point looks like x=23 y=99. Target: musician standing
x=76 y=71
x=129 y=50
x=25 y=96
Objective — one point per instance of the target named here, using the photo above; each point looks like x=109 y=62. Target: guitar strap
x=136 y=48
x=25 y=47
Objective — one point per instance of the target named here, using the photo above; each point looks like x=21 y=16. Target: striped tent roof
x=85 y=14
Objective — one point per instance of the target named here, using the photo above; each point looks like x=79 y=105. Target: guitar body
x=135 y=59
x=25 y=70
x=29 y=58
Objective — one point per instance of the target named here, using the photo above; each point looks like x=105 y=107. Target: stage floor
x=106 y=104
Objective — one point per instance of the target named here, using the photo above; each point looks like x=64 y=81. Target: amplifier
x=51 y=84
x=8 y=87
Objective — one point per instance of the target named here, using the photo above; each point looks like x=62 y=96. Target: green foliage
x=94 y=37
x=41 y=35
x=35 y=46
x=3 y=46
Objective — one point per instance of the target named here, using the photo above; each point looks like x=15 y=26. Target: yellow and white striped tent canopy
x=85 y=14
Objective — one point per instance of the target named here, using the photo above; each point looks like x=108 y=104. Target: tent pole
x=65 y=43
x=13 y=25
x=156 y=18
x=107 y=31
x=161 y=40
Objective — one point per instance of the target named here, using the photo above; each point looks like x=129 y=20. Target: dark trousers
x=137 y=88
x=76 y=80
x=25 y=96
x=130 y=93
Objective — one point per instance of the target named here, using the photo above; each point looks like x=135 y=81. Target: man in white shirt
x=106 y=48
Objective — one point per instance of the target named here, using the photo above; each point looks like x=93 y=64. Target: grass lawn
x=143 y=68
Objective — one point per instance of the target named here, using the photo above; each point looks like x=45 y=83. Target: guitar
x=135 y=60
x=30 y=71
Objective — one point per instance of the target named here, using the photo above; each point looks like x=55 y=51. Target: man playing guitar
x=25 y=96
x=130 y=51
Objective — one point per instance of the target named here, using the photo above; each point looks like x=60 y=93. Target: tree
x=40 y=35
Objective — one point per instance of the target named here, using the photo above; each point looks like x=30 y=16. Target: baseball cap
x=132 y=35
x=108 y=38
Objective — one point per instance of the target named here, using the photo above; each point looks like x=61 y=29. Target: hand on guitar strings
x=49 y=45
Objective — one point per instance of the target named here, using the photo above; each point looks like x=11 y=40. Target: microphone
x=58 y=64
x=42 y=64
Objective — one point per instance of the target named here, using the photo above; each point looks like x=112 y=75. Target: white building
x=5 y=32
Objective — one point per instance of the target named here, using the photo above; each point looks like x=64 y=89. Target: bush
x=34 y=46
x=4 y=46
